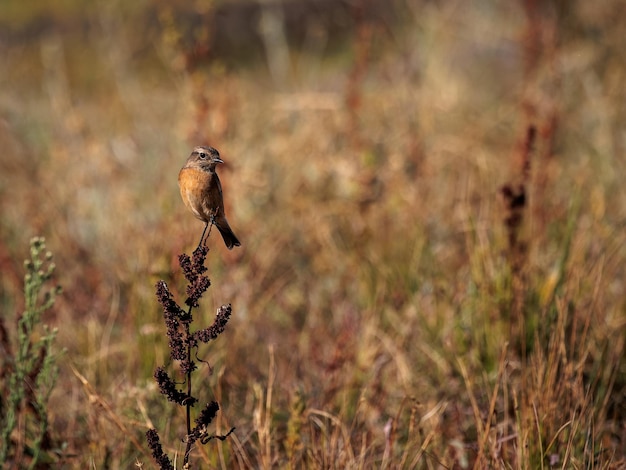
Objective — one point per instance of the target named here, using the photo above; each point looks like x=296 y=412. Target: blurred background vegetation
x=392 y=306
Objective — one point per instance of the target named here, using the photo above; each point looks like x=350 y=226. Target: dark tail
x=227 y=234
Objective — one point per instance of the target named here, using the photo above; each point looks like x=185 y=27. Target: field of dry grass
x=430 y=208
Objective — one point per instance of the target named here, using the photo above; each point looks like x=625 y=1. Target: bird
x=201 y=191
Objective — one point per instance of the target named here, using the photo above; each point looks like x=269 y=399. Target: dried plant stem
x=181 y=342
x=188 y=403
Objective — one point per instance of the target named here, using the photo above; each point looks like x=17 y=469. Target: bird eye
x=203 y=155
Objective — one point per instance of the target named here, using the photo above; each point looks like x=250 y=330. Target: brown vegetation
x=431 y=217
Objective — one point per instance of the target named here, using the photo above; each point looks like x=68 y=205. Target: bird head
x=206 y=158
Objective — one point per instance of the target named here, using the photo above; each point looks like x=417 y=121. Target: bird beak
x=218 y=160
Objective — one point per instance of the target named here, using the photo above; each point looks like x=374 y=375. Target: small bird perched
x=201 y=191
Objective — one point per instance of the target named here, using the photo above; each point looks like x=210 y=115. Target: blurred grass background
x=383 y=316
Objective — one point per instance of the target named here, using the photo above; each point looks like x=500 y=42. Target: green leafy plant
x=28 y=369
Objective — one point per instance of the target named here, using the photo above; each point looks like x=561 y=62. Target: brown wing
x=212 y=202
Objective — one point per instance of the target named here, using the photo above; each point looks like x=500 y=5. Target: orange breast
x=193 y=184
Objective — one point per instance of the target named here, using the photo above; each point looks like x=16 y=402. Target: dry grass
x=382 y=315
